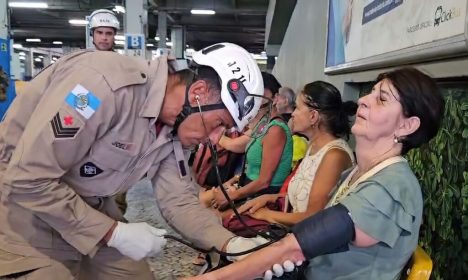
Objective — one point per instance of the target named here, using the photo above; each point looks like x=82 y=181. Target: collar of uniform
x=156 y=87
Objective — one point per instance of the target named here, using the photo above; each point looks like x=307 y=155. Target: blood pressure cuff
x=329 y=231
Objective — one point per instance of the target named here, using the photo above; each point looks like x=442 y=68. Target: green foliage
x=441 y=167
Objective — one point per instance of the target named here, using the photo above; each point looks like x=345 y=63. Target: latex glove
x=240 y=244
x=278 y=270
x=137 y=240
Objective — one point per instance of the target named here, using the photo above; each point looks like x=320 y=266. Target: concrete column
x=136 y=19
x=4 y=24
x=29 y=64
x=162 y=29
x=178 y=41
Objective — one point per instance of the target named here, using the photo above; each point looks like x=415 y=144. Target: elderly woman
x=323 y=117
x=371 y=227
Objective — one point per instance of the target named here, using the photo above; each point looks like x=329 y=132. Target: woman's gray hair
x=290 y=96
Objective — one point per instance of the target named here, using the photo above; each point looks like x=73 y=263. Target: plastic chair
x=419 y=267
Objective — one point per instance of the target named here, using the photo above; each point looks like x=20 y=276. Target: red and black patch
x=64 y=126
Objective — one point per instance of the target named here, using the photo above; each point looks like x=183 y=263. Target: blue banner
x=378 y=8
x=5 y=58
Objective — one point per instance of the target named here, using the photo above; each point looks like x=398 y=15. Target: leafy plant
x=441 y=167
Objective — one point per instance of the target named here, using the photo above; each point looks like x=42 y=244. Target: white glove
x=240 y=244
x=279 y=270
x=137 y=240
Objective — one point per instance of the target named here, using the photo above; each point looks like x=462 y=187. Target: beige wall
x=302 y=55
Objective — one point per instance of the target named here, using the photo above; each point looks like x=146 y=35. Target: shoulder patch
x=90 y=169
x=83 y=101
x=65 y=125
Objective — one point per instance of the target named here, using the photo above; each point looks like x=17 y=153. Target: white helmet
x=239 y=75
x=103 y=18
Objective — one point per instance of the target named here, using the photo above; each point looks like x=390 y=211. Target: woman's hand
x=254 y=204
x=260 y=214
x=219 y=200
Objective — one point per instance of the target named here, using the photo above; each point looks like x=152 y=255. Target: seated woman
x=371 y=226
x=264 y=172
x=320 y=115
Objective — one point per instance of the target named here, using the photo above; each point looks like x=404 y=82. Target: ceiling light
x=119 y=9
x=37 y=59
x=78 y=21
x=41 y=56
x=149 y=45
x=202 y=12
x=169 y=44
x=17 y=46
x=22 y=58
x=22 y=53
x=57 y=42
x=36 y=5
x=120 y=42
x=156 y=38
x=119 y=37
x=36 y=40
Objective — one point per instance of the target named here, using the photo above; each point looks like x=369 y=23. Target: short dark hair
x=420 y=97
x=204 y=73
x=326 y=99
x=271 y=83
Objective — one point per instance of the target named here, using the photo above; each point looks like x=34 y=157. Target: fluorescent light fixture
x=258 y=56
x=37 y=59
x=41 y=56
x=202 y=12
x=22 y=58
x=149 y=45
x=34 y=5
x=119 y=9
x=118 y=42
x=36 y=40
x=17 y=46
x=78 y=21
x=169 y=44
x=57 y=42
x=156 y=38
x=119 y=37
x=22 y=53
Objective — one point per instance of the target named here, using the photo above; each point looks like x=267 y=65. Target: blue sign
x=378 y=8
x=5 y=58
x=134 y=42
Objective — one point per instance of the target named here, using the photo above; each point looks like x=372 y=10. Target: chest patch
x=89 y=169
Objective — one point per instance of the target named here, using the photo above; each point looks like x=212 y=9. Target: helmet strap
x=187 y=110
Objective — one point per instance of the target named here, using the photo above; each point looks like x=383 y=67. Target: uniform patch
x=122 y=146
x=89 y=169
x=63 y=126
x=83 y=101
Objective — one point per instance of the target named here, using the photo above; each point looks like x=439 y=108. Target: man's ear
x=198 y=90
x=408 y=126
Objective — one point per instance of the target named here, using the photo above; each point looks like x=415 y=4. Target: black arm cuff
x=328 y=231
